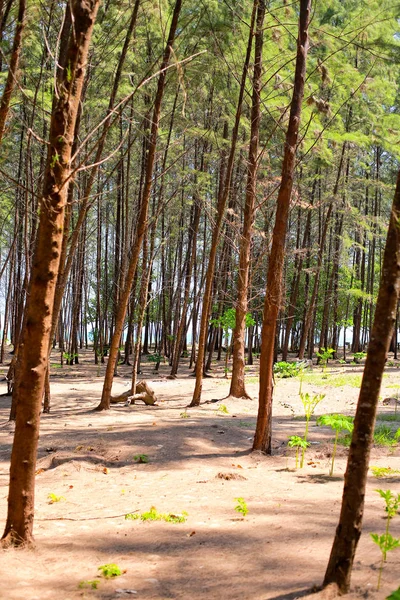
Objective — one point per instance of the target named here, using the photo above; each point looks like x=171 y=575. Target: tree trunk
x=13 y=67
x=349 y=528
x=237 y=389
x=273 y=296
x=33 y=351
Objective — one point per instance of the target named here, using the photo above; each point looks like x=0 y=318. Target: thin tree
x=237 y=389
x=350 y=521
x=13 y=67
x=33 y=350
x=273 y=295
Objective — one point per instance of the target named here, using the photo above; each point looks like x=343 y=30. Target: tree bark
x=273 y=295
x=350 y=522
x=13 y=67
x=33 y=350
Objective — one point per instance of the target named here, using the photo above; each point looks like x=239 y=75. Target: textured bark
x=350 y=522
x=13 y=67
x=237 y=388
x=33 y=350
x=142 y=219
x=273 y=295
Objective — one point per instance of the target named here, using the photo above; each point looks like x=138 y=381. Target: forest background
x=175 y=171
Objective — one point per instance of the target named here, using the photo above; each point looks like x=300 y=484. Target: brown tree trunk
x=13 y=67
x=273 y=296
x=350 y=522
x=142 y=219
x=33 y=350
x=237 y=388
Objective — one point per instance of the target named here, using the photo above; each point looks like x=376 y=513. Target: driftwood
x=391 y=401
x=143 y=392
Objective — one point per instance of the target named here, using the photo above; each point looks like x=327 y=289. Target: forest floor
x=199 y=461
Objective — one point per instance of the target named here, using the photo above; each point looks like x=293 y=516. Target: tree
x=33 y=350
x=350 y=521
x=13 y=67
x=237 y=389
x=273 y=294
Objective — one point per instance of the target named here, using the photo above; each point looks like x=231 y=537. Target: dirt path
x=198 y=462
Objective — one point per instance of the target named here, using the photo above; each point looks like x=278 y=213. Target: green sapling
x=338 y=423
x=386 y=541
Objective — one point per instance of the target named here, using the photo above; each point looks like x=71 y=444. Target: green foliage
x=110 y=570
x=324 y=355
x=385 y=436
x=154 y=515
x=141 y=458
x=309 y=404
x=382 y=472
x=222 y=409
x=69 y=357
x=90 y=583
x=386 y=541
x=335 y=379
x=54 y=498
x=338 y=423
x=358 y=356
x=394 y=595
x=155 y=358
x=297 y=442
x=184 y=414
x=241 y=506
x=285 y=369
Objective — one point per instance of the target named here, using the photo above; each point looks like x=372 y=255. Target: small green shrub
x=285 y=369
x=323 y=357
x=309 y=404
x=54 y=498
x=90 y=583
x=154 y=515
x=222 y=409
x=385 y=436
x=141 y=458
x=241 y=506
x=297 y=442
x=358 y=356
x=386 y=541
x=394 y=595
x=338 y=423
x=110 y=570
x=382 y=472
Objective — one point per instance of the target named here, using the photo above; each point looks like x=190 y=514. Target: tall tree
x=350 y=521
x=273 y=294
x=33 y=350
x=13 y=67
x=237 y=389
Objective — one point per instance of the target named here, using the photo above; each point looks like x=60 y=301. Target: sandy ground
x=199 y=462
